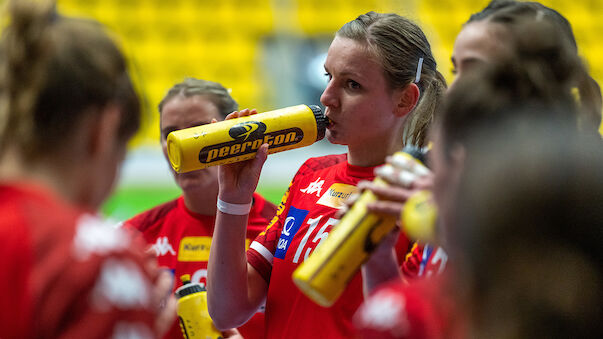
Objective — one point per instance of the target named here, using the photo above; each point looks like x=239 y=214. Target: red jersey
x=424 y=261
x=303 y=221
x=420 y=310
x=66 y=273
x=181 y=239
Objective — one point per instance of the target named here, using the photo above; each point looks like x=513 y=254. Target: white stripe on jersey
x=263 y=251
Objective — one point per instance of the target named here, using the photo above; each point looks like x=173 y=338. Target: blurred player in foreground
x=536 y=81
x=67 y=110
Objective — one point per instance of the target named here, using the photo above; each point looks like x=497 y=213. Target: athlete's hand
x=239 y=180
x=232 y=334
x=165 y=301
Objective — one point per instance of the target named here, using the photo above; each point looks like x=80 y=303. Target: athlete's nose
x=329 y=97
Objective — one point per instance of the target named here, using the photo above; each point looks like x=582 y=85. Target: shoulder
x=262 y=207
x=412 y=309
x=148 y=218
x=105 y=265
x=79 y=259
x=316 y=164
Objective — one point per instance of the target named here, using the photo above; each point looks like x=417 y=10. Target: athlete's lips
x=330 y=123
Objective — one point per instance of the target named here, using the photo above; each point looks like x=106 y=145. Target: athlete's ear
x=103 y=135
x=406 y=99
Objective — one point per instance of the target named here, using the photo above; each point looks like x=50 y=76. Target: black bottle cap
x=321 y=121
x=416 y=152
x=189 y=288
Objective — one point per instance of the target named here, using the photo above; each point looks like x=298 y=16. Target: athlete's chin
x=196 y=179
x=335 y=138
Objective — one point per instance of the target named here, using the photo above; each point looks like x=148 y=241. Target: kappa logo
x=120 y=284
x=246 y=130
x=163 y=247
x=314 y=187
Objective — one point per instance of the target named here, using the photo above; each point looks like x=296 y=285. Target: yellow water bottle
x=193 y=316
x=419 y=217
x=239 y=139
x=325 y=274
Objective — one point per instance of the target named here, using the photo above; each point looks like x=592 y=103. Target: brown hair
x=507 y=13
x=54 y=71
x=528 y=236
x=400 y=45
x=189 y=87
x=536 y=80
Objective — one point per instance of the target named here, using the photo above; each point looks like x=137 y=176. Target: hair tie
x=419 y=68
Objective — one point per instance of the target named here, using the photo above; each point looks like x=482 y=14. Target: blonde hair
x=403 y=50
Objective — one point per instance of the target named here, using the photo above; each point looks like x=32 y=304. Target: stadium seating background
x=247 y=46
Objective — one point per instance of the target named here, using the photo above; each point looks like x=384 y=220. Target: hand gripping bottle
x=192 y=311
x=419 y=215
x=239 y=139
x=327 y=271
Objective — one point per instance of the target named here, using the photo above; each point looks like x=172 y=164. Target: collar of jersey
x=361 y=172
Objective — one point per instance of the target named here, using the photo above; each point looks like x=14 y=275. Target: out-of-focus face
x=478 y=42
x=183 y=112
x=447 y=172
x=357 y=98
x=107 y=171
x=102 y=166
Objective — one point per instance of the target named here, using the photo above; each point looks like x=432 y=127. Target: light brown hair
x=399 y=44
x=508 y=12
x=54 y=70
x=214 y=91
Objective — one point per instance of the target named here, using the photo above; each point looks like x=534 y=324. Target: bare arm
x=235 y=290
x=382 y=266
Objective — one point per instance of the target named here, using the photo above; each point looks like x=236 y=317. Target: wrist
x=233 y=209
x=235 y=197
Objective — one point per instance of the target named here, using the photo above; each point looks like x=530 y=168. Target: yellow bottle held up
x=239 y=139
x=193 y=316
x=419 y=217
x=324 y=275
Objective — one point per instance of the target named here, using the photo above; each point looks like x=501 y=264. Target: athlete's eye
x=353 y=84
x=328 y=76
x=166 y=132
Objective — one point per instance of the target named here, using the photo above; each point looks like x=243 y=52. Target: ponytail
x=433 y=87
x=23 y=62
x=55 y=71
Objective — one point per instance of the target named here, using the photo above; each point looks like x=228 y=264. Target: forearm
x=234 y=293
x=229 y=302
x=380 y=268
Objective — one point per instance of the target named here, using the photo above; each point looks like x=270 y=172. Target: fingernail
x=406 y=178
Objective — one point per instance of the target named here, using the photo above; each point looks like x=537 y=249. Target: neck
x=372 y=154
x=201 y=202
x=58 y=178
